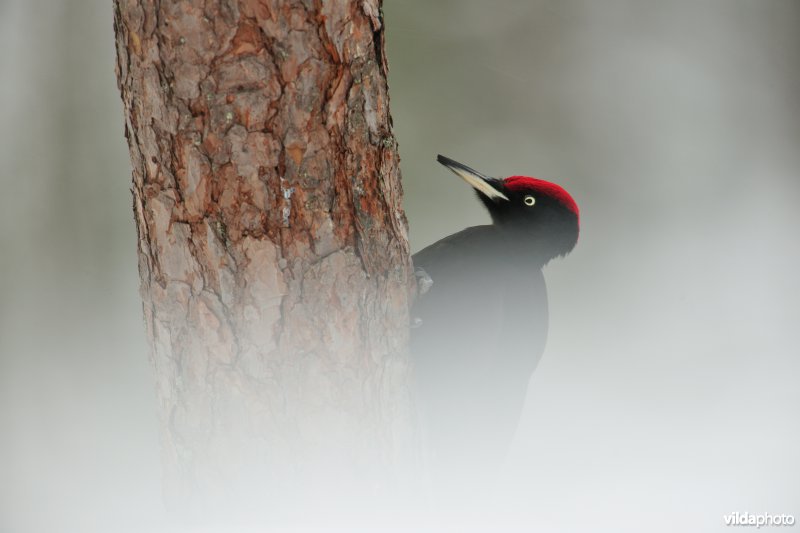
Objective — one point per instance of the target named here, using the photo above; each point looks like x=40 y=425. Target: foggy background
x=668 y=395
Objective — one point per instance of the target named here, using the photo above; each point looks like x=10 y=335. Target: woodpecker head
x=536 y=215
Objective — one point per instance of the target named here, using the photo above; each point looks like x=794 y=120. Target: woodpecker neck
x=535 y=242
x=523 y=249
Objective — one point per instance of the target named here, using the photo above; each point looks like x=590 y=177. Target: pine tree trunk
x=273 y=249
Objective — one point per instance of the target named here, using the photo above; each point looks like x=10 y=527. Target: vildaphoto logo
x=758 y=520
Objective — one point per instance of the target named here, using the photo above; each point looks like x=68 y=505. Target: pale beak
x=478 y=181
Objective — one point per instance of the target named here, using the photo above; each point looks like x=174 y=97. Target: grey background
x=668 y=394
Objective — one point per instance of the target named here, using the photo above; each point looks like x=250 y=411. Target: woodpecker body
x=484 y=319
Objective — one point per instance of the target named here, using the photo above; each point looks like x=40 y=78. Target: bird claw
x=416 y=322
x=424 y=281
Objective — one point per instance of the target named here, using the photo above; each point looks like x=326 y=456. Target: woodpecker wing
x=483 y=330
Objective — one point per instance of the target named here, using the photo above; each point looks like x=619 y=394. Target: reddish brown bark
x=272 y=248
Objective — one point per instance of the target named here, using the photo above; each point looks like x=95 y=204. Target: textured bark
x=272 y=248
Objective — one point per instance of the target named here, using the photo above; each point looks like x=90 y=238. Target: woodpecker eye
x=530 y=200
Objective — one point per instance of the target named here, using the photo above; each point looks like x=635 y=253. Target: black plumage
x=481 y=326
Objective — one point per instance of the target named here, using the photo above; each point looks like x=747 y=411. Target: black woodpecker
x=480 y=321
